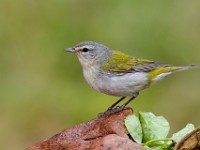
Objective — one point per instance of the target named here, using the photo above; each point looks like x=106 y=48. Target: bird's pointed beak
x=72 y=50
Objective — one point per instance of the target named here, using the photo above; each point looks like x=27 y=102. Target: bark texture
x=106 y=132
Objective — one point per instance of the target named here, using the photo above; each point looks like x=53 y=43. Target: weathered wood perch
x=102 y=133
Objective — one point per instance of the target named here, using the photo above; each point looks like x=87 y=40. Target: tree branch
x=102 y=133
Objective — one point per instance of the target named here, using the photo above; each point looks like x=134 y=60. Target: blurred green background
x=42 y=90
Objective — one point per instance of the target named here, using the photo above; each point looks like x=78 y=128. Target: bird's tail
x=181 y=68
x=159 y=73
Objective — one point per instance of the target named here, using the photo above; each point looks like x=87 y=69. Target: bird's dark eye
x=85 y=49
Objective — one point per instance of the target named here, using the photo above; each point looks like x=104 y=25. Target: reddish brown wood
x=102 y=133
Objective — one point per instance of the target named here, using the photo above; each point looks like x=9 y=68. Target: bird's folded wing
x=122 y=63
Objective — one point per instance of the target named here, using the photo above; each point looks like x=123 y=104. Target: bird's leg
x=125 y=104
x=112 y=108
x=117 y=102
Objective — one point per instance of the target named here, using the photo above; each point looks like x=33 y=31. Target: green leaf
x=160 y=144
x=133 y=126
x=153 y=127
x=157 y=148
x=161 y=148
x=180 y=134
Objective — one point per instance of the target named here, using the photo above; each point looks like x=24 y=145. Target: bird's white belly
x=117 y=85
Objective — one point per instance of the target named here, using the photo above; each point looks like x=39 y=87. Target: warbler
x=118 y=74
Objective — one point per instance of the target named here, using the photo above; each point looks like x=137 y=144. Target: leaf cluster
x=151 y=131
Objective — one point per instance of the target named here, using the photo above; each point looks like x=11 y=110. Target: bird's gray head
x=91 y=53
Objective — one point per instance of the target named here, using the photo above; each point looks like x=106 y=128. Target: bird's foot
x=111 y=110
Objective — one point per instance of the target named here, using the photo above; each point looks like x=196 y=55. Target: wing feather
x=122 y=63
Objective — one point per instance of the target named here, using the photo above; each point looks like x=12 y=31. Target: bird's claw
x=111 y=110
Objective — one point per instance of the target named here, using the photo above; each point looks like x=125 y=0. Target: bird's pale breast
x=116 y=85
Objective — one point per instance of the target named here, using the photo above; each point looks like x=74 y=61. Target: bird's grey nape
x=91 y=43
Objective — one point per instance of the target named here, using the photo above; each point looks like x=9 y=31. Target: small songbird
x=118 y=74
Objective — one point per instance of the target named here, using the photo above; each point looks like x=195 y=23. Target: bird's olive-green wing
x=122 y=63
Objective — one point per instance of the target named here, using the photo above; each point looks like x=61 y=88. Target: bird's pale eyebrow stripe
x=85 y=46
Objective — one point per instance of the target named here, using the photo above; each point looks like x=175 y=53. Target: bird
x=118 y=74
